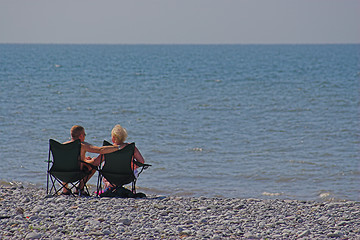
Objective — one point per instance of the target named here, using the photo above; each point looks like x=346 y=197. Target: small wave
x=19 y=184
x=139 y=74
x=204 y=105
x=197 y=149
x=324 y=195
x=128 y=111
x=215 y=80
x=272 y=194
x=303 y=162
x=160 y=151
x=286 y=179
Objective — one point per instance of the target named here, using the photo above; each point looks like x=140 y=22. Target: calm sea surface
x=263 y=121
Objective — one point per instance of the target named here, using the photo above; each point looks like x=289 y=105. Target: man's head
x=78 y=132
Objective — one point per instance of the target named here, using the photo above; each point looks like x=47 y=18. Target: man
x=78 y=132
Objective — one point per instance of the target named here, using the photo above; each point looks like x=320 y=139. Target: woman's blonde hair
x=119 y=133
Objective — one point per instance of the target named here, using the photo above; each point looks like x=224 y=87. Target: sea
x=233 y=121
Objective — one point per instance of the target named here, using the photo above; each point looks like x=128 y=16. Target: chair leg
x=87 y=190
x=73 y=184
x=99 y=187
x=47 y=184
x=133 y=188
x=55 y=181
x=53 y=187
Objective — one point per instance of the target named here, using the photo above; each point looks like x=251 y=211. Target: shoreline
x=324 y=196
x=27 y=213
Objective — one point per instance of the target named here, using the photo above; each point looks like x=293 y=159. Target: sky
x=180 y=21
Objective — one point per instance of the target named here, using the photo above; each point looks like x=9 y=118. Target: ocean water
x=262 y=121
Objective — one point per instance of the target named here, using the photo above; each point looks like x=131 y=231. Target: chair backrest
x=119 y=162
x=66 y=157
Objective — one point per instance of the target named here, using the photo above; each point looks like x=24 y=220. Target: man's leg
x=89 y=169
x=65 y=190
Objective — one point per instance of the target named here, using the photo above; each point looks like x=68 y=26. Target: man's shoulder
x=85 y=144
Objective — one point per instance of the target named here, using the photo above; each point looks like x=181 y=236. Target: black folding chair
x=118 y=168
x=64 y=168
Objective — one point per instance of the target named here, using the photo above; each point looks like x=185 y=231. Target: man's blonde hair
x=76 y=131
x=119 y=133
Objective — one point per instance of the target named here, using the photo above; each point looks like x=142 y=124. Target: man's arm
x=101 y=150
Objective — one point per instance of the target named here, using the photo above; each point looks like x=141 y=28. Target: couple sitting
x=118 y=136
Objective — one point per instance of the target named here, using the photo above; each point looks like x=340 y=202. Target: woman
x=118 y=137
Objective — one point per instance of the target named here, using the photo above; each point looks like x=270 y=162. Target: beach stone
x=33 y=235
x=335 y=234
x=240 y=206
x=249 y=235
x=277 y=236
x=19 y=211
x=304 y=233
x=186 y=232
x=106 y=232
x=60 y=200
x=203 y=220
x=323 y=218
x=96 y=233
x=18 y=217
x=203 y=208
x=33 y=218
x=342 y=223
x=216 y=237
x=125 y=221
x=286 y=231
x=188 y=222
x=36 y=209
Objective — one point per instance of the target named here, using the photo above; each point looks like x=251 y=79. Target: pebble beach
x=28 y=213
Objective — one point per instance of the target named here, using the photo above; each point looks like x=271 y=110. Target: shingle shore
x=26 y=213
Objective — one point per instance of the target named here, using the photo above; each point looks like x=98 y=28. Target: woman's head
x=118 y=134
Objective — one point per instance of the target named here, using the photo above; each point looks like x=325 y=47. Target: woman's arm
x=138 y=156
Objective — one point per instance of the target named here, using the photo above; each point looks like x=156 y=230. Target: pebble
x=27 y=213
x=304 y=233
x=33 y=235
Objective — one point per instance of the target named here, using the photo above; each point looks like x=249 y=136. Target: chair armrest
x=92 y=166
x=144 y=165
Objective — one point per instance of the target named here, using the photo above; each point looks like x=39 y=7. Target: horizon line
x=47 y=43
